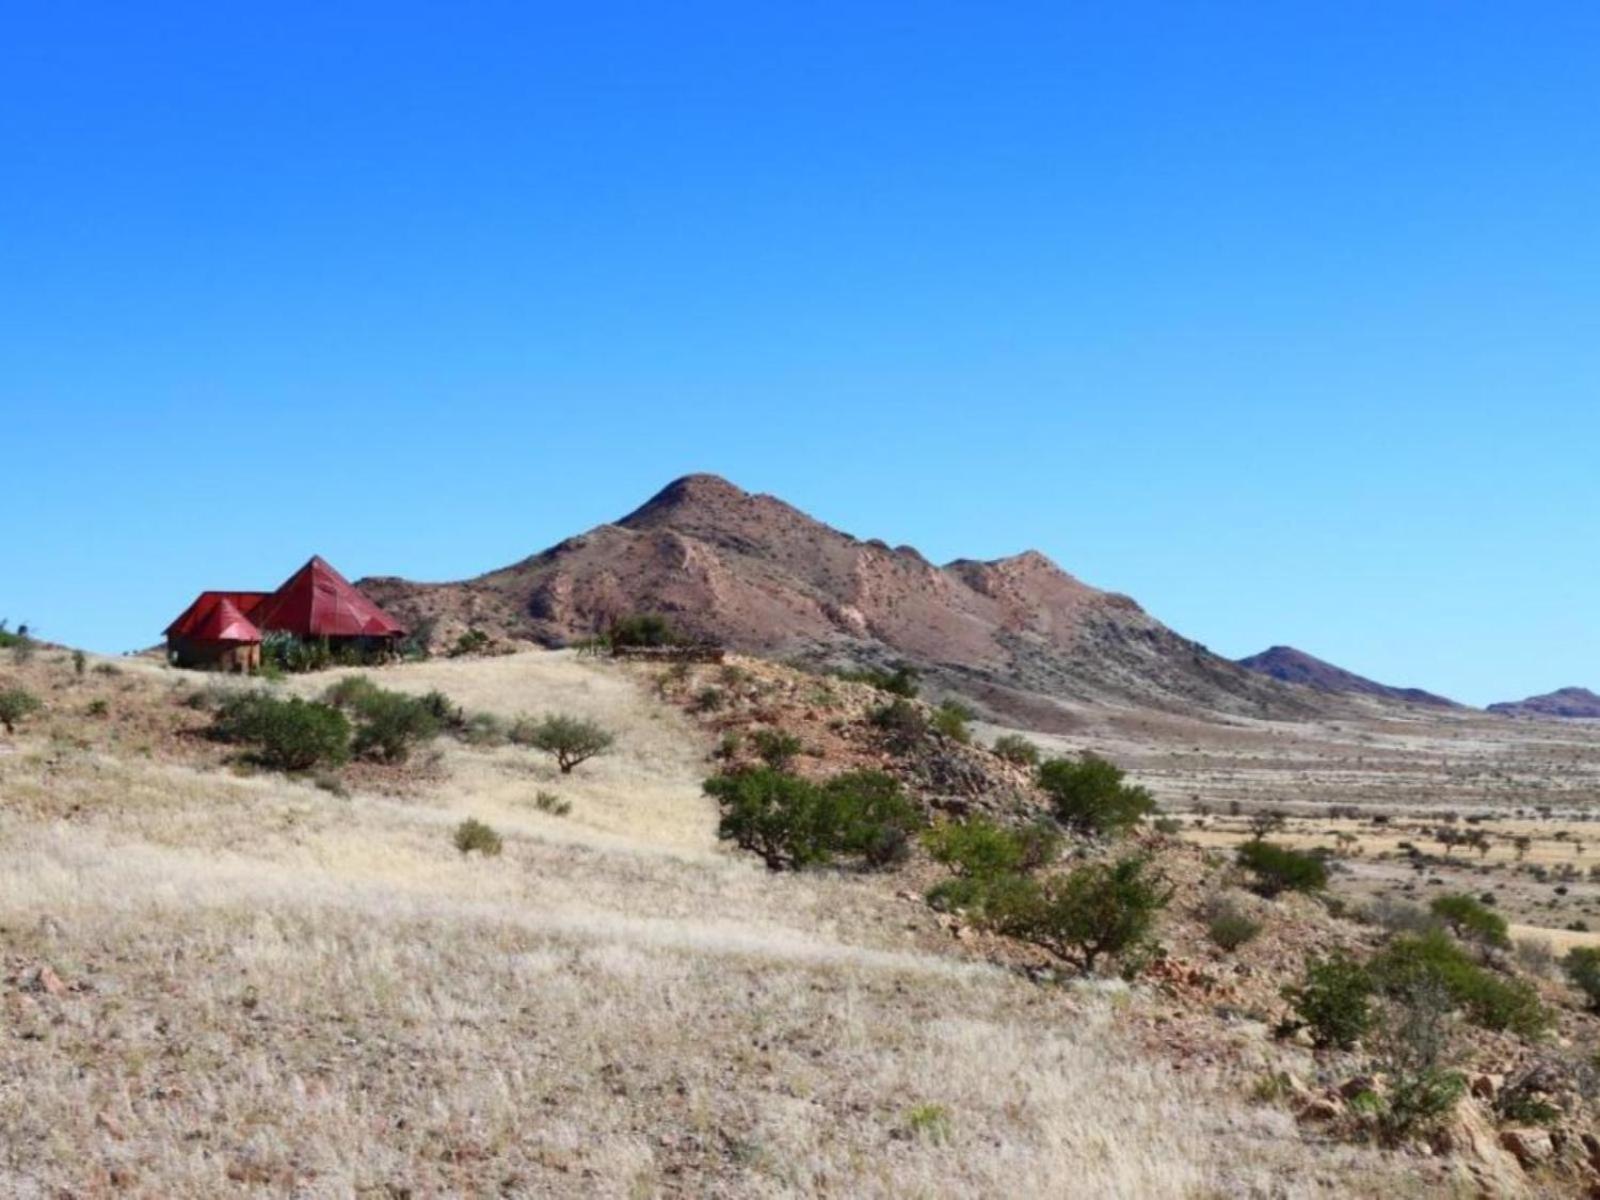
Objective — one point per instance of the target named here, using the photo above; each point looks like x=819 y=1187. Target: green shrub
x=351 y=692
x=1279 y=869
x=1089 y=796
x=447 y=714
x=1413 y=1042
x=951 y=719
x=1487 y=999
x=1582 y=967
x=1333 y=1000
x=979 y=848
x=483 y=729
x=287 y=735
x=1015 y=748
x=97 y=708
x=1229 y=927
x=80 y=662
x=473 y=641
x=472 y=834
x=794 y=823
x=708 y=700
x=571 y=740
x=775 y=747
x=391 y=724
x=1100 y=909
x=902 y=724
x=643 y=629
x=1471 y=920
x=903 y=681
x=1169 y=826
x=17 y=704
x=549 y=802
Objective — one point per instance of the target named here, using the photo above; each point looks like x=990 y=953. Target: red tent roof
x=225 y=623
x=190 y=620
x=317 y=601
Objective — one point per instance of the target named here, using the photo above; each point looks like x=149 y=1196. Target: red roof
x=224 y=622
x=317 y=601
x=189 y=622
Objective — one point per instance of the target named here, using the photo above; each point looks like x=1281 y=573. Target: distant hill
x=1015 y=634
x=1296 y=666
x=1568 y=703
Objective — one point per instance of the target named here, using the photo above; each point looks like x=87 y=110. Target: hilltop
x=1296 y=666
x=1017 y=635
x=1571 y=703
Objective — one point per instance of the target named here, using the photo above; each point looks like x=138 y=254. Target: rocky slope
x=1017 y=635
x=1570 y=703
x=1296 y=666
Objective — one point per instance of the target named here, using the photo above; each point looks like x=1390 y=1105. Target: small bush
x=391 y=724
x=1168 y=826
x=930 y=1121
x=1016 y=749
x=1097 y=910
x=287 y=735
x=16 y=705
x=1582 y=967
x=951 y=719
x=793 y=823
x=1472 y=921
x=97 y=708
x=643 y=629
x=902 y=724
x=80 y=662
x=571 y=740
x=1278 y=869
x=1230 y=927
x=473 y=641
x=472 y=834
x=775 y=747
x=708 y=700
x=1089 y=796
x=903 y=681
x=549 y=802
x=483 y=729
x=1333 y=1001
x=1413 y=1044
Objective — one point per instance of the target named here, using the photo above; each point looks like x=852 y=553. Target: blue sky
x=1284 y=319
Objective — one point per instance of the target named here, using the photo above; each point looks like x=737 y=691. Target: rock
x=1530 y=1146
x=1487 y=1087
x=1351 y=1088
x=1321 y=1109
x=44 y=979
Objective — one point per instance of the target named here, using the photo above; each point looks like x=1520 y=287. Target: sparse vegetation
x=473 y=641
x=903 y=680
x=1017 y=750
x=389 y=725
x=902 y=723
x=1089 y=797
x=987 y=859
x=1582 y=967
x=643 y=629
x=775 y=747
x=1230 y=927
x=549 y=802
x=1488 y=999
x=572 y=741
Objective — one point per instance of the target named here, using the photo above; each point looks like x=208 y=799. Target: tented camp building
x=224 y=630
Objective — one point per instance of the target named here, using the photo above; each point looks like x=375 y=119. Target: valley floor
x=216 y=982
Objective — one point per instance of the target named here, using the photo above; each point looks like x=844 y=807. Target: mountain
x=1296 y=666
x=1568 y=702
x=1017 y=635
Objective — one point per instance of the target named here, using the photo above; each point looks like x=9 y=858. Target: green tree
x=571 y=740
x=1471 y=920
x=1089 y=796
x=1096 y=910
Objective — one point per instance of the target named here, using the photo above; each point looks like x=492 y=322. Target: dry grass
x=274 y=991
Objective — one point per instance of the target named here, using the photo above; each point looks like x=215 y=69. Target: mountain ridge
x=1568 y=703
x=1019 y=634
x=1290 y=665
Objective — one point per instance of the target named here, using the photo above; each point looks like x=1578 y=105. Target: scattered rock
x=44 y=979
x=1530 y=1146
x=1487 y=1087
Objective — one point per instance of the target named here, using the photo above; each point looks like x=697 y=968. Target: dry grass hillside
x=217 y=980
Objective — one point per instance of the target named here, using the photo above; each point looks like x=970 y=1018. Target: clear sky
x=1282 y=318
